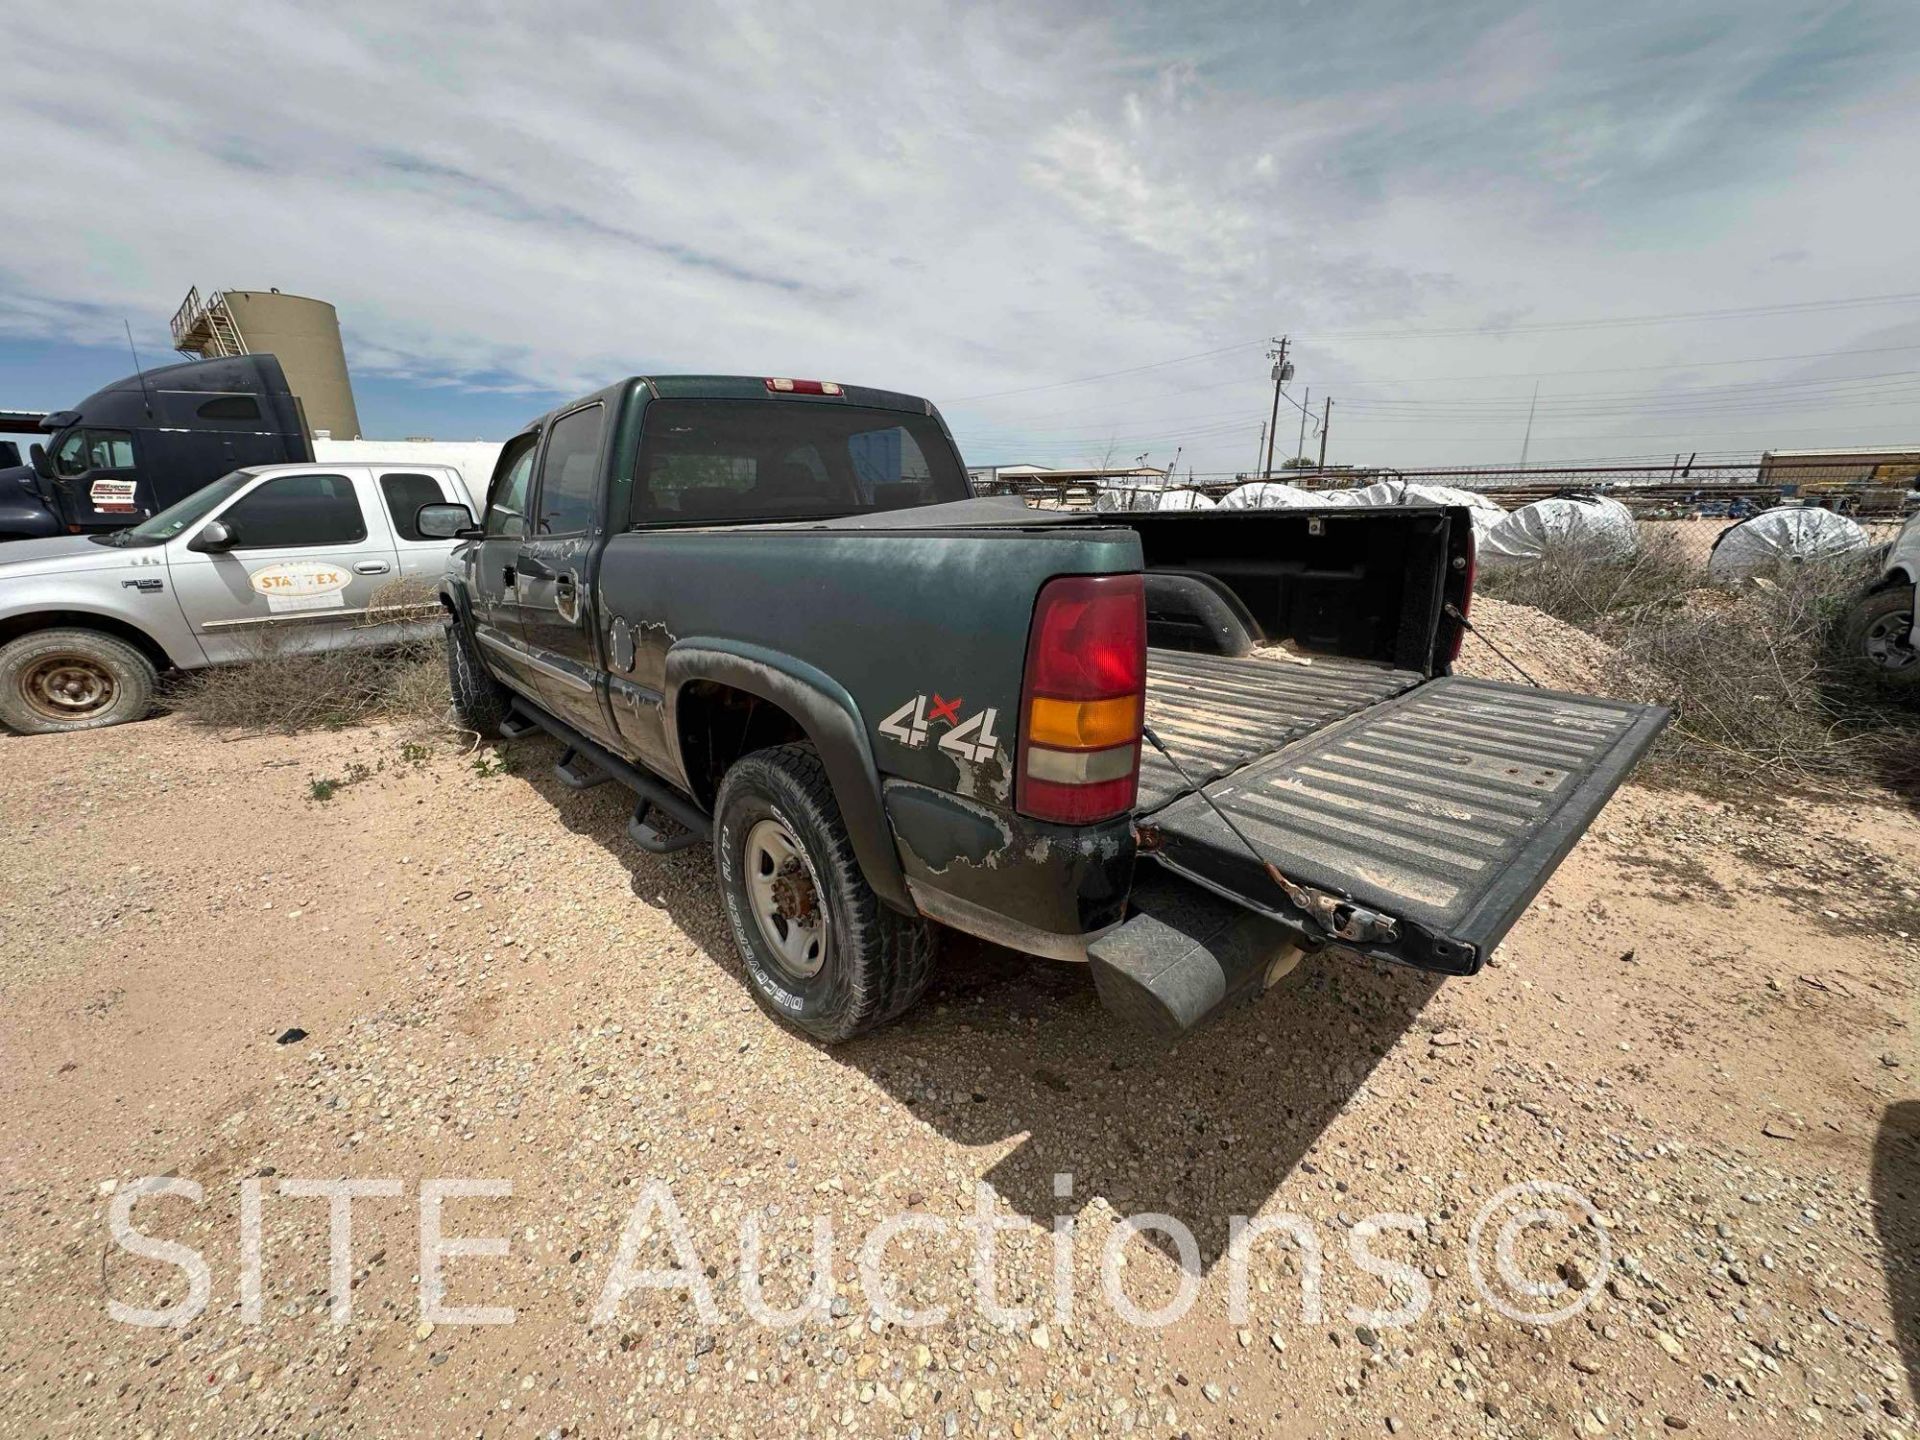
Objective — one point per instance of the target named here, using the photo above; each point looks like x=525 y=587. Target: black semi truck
x=140 y=444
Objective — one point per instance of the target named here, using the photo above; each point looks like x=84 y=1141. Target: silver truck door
x=310 y=552
x=422 y=560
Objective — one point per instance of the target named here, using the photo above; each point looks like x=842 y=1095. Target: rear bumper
x=1044 y=889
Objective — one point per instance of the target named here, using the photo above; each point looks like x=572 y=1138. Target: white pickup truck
x=292 y=555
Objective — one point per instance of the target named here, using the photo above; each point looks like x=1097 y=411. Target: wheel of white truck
x=1874 y=640
x=69 y=679
x=820 y=950
x=479 y=700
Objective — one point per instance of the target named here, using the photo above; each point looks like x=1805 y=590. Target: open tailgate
x=1442 y=810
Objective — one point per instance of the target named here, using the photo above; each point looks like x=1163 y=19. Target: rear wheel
x=1875 y=639
x=69 y=679
x=479 y=700
x=820 y=950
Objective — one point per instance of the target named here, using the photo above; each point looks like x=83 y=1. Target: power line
x=1672 y=317
x=1109 y=374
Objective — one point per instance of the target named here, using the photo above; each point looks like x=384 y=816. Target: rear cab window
x=405 y=492
x=725 y=461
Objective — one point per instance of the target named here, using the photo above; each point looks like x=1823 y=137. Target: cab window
x=507 y=505
x=87 y=450
x=297 y=510
x=405 y=494
x=568 y=470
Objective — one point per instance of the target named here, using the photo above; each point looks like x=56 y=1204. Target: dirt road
x=1705 y=1026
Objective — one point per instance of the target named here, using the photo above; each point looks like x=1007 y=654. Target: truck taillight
x=1084 y=699
x=782 y=386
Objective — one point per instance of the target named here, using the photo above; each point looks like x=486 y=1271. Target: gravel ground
x=1705 y=1025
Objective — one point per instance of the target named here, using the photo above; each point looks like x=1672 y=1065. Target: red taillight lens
x=1088 y=645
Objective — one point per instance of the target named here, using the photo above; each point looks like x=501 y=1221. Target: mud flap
x=1444 y=810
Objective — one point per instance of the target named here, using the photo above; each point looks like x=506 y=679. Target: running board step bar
x=577 y=772
x=657 y=801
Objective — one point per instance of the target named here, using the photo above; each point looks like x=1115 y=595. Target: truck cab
x=144 y=442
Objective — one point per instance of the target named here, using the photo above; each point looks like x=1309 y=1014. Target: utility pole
x=1528 y=440
x=1325 y=421
x=1259 y=448
x=1282 y=372
x=1305 y=410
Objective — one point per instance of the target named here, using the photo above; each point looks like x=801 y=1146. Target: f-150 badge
x=970 y=739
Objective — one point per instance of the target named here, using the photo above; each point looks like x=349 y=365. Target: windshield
x=707 y=461
x=158 y=529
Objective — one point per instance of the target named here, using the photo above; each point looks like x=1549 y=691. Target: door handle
x=371 y=567
x=566 y=596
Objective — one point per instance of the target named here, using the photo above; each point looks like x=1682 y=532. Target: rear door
x=421 y=561
x=1441 y=811
x=552 y=577
x=313 y=551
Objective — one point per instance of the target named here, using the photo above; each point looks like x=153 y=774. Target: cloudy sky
x=1075 y=227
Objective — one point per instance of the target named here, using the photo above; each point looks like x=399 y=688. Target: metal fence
x=1680 y=511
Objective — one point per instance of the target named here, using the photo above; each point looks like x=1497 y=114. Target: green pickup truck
x=1179 y=747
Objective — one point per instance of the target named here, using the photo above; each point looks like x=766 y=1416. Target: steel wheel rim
x=67 y=687
x=1886 y=643
x=786 y=898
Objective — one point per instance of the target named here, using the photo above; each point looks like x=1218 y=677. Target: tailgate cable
x=1340 y=918
x=1457 y=613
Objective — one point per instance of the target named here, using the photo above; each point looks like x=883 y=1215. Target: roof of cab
x=739 y=387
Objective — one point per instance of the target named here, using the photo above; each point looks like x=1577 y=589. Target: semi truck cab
x=135 y=447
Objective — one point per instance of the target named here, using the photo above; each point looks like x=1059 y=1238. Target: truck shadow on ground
x=1005 y=1047
x=1896 y=1218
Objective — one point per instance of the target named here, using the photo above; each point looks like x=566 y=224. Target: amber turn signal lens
x=1083 y=724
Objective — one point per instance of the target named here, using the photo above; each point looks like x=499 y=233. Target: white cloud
x=954 y=201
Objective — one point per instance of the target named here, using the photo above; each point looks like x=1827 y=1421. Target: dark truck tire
x=784 y=857
x=479 y=701
x=1872 y=644
x=72 y=679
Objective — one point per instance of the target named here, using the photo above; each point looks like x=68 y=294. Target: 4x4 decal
x=970 y=739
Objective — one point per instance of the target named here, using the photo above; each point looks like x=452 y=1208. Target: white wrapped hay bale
x=1272 y=495
x=1787 y=535
x=1484 y=511
x=1592 y=527
x=1182 y=500
x=1136 y=493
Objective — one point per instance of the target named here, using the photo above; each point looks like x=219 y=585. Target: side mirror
x=215 y=538
x=42 y=466
x=445 y=522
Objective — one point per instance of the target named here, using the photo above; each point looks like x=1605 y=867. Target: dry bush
x=1583 y=587
x=283 y=689
x=1756 y=688
x=1757 y=693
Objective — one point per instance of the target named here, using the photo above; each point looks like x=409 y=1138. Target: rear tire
x=821 y=952
x=479 y=700
x=1872 y=640
x=52 y=681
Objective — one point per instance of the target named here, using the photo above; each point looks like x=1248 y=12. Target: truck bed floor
x=1217 y=713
